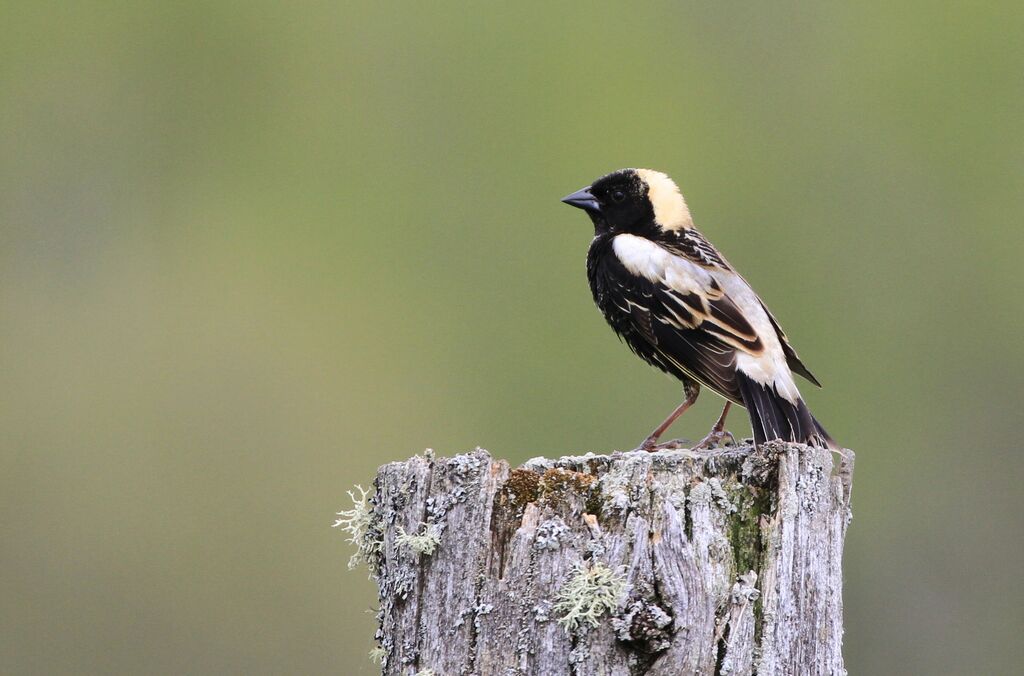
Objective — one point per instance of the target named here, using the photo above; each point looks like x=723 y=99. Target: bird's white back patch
x=644 y=258
x=670 y=210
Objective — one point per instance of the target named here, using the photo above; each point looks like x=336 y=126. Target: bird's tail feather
x=774 y=417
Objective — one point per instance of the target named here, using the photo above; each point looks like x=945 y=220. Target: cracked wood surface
x=732 y=560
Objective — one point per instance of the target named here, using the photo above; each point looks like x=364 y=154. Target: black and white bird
x=681 y=307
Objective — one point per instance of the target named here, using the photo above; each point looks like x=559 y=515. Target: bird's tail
x=775 y=417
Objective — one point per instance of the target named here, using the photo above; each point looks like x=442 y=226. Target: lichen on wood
x=700 y=562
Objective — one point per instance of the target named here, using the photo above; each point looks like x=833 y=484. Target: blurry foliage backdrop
x=252 y=250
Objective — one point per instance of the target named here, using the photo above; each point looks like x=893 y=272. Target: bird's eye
x=618 y=195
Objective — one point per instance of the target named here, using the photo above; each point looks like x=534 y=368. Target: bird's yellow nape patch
x=670 y=210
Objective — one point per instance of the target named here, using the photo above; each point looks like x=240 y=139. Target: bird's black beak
x=583 y=199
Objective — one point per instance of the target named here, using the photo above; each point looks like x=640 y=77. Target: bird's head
x=634 y=201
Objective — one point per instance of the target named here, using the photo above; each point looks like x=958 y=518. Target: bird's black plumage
x=681 y=307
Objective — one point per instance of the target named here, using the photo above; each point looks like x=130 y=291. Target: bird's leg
x=691 y=389
x=717 y=432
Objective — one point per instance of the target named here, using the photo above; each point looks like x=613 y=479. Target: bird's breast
x=614 y=289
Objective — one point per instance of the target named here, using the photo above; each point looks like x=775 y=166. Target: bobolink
x=681 y=307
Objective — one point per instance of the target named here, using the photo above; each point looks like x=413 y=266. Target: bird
x=679 y=305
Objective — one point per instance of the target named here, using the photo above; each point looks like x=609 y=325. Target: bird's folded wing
x=702 y=356
x=701 y=331
x=679 y=307
x=686 y=280
x=691 y=245
x=700 y=303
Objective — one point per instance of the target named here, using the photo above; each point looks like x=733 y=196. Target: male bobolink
x=681 y=307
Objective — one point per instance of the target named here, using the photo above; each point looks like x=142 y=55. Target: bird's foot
x=652 y=445
x=714 y=440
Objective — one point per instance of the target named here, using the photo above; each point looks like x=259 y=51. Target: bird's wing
x=702 y=356
x=691 y=245
x=701 y=303
x=690 y=319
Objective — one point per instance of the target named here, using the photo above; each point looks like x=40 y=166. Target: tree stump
x=676 y=562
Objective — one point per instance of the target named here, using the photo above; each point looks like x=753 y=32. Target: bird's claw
x=714 y=439
x=652 y=445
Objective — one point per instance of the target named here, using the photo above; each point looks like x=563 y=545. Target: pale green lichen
x=425 y=672
x=377 y=655
x=421 y=543
x=356 y=523
x=588 y=594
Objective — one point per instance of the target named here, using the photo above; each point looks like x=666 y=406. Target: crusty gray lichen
x=550 y=534
x=711 y=490
x=644 y=625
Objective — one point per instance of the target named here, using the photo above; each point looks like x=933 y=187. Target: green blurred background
x=252 y=250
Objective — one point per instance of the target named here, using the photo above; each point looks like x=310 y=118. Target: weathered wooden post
x=676 y=562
